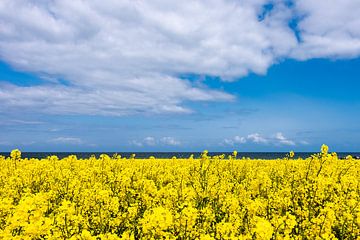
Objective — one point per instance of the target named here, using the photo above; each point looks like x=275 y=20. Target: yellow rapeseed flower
x=210 y=197
x=324 y=149
x=15 y=154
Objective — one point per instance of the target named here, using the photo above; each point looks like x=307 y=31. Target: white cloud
x=238 y=139
x=228 y=142
x=328 y=29
x=257 y=138
x=99 y=101
x=235 y=140
x=67 y=140
x=124 y=57
x=151 y=141
x=170 y=141
x=283 y=140
x=136 y=143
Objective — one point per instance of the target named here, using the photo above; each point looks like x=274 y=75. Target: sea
x=141 y=155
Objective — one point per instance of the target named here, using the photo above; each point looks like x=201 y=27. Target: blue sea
x=254 y=155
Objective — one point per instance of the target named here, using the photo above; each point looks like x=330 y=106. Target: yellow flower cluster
x=206 y=198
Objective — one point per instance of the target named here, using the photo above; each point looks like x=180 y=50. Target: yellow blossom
x=210 y=197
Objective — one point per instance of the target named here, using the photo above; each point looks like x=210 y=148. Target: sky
x=246 y=75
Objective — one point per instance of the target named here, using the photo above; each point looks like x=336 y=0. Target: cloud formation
x=152 y=141
x=256 y=138
x=328 y=29
x=277 y=139
x=170 y=141
x=283 y=140
x=116 y=58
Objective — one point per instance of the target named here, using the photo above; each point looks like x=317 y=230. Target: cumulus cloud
x=283 y=140
x=136 y=143
x=169 y=141
x=149 y=141
x=235 y=140
x=257 y=138
x=253 y=137
x=125 y=57
x=277 y=139
x=328 y=29
x=152 y=141
x=102 y=101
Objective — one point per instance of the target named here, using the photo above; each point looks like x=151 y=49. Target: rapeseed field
x=219 y=197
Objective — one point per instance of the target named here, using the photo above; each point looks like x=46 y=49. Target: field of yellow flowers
x=206 y=198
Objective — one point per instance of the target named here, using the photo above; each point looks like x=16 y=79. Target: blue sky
x=179 y=77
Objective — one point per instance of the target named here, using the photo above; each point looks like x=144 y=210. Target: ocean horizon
x=141 y=155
